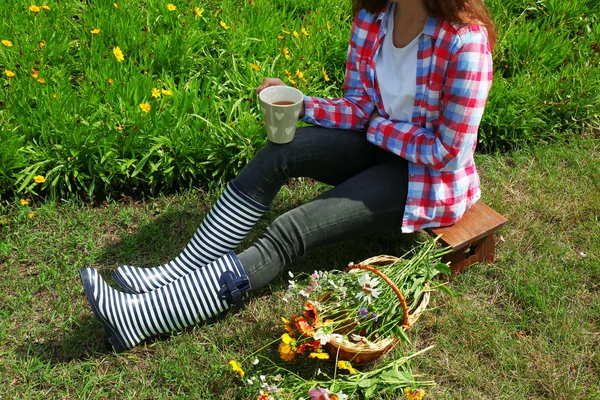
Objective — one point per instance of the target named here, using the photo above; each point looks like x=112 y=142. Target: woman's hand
x=374 y=115
x=268 y=82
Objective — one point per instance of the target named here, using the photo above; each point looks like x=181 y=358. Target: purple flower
x=374 y=315
x=319 y=394
x=363 y=312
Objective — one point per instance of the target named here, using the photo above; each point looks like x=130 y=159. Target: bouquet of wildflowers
x=357 y=305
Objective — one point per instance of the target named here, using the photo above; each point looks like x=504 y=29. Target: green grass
x=546 y=85
x=525 y=326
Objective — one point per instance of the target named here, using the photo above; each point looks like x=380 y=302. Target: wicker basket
x=364 y=353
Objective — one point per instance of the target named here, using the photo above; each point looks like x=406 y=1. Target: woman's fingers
x=267 y=82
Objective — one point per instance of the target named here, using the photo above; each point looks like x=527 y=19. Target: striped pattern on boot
x=130 y=318
x=224 y=227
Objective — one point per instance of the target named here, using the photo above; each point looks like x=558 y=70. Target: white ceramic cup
x=281 y=119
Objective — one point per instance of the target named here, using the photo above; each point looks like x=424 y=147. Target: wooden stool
x=471 y=238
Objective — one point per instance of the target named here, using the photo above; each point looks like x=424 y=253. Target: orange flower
x=34 y=73
x=110 y=81
x=288 y=327
x=311 y=312
x=314 y=345
x=304 y=327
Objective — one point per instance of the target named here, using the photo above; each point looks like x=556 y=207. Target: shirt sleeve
x=349 y=112
x=464 y=94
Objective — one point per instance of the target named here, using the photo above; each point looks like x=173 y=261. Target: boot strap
x=232 y=288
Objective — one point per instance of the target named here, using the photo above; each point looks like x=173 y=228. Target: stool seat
x=471 y=238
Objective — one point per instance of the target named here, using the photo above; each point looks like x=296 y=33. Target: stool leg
x=482 y=250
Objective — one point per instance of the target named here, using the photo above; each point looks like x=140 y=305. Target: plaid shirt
x=454 y=75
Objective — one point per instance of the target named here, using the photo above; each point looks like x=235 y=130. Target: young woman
x=397 y=149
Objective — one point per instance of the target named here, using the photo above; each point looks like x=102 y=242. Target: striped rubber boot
x=228 y=222
x=130 y=318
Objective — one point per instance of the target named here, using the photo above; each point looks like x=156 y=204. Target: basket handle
x=405 y=322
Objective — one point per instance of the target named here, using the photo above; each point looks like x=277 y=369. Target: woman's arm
x=349 y=112
x=465 y=90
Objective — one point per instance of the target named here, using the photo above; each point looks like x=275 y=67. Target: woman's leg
x=327 y=155
x=371 y=201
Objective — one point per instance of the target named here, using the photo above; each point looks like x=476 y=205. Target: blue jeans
x=368 y=195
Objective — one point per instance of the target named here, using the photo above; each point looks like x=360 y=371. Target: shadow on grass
x=166 y=236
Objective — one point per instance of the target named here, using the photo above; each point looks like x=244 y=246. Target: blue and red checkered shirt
x=454 y=75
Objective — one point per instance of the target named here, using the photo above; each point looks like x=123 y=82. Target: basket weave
x=364 y=353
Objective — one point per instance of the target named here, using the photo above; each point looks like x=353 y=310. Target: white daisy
x=369 y=289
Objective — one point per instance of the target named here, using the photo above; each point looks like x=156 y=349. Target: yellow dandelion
x=8 y=73
x=216 y=13
x=296 y=35
x=224 y=25
x=46 y=7
x=305 y=32
x=198 y=11
x=300 y=75
x=237 y=368
x=7 y=43
x=95 y=31
x=280 y=37
x=34 y=8
x=290 y=80
x=166 y=92
x=55 y=95
x=39 y=179
x=145 y=107
x=119 y=127
x=24 y=202
x=255 y=67
x=118 y=54
x=325 y=76
x=110 y=82
x=319 y=356
x=155 y=93
x=34 y=73
x=252 y=3
x=286 y=32
x=115 y=5
x=328 y=25
x=171 y=7
x=42 y=44
x=41 y=80
x=31 y=215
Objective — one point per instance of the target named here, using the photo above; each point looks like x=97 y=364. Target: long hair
x=461 y=12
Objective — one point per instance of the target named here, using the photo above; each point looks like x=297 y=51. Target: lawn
x=130 y=173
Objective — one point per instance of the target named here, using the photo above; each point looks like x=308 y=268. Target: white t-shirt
x=396 y=70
